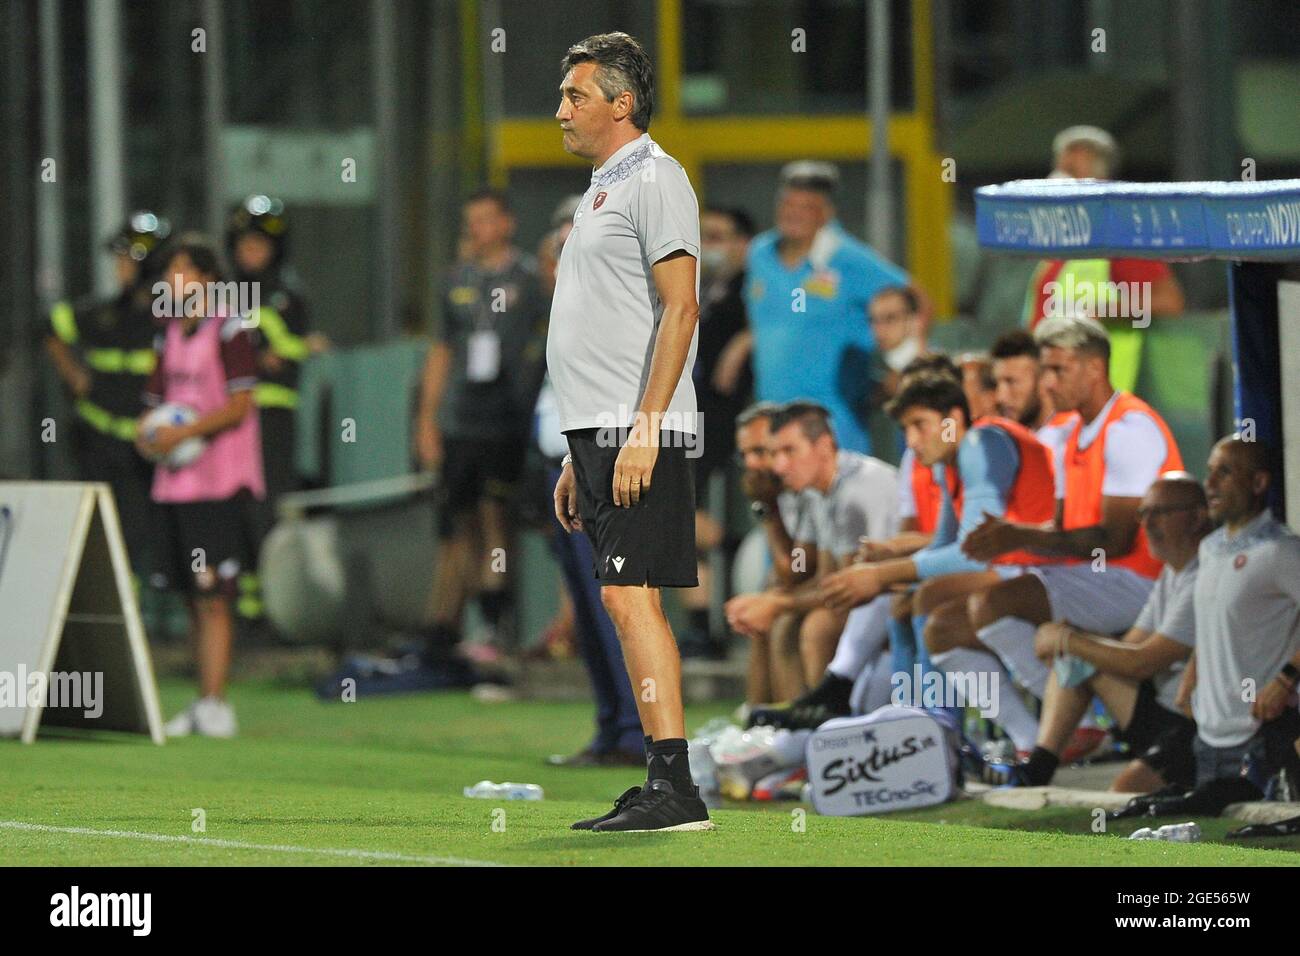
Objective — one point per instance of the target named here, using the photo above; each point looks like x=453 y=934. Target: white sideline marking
x=238 y=845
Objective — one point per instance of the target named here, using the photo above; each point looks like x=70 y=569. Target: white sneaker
x=182 y=725
x=213 y=717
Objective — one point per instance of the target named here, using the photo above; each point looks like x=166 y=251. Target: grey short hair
x=623 y=66
x=811 y=175
x=1076 y=332
x=756 y=411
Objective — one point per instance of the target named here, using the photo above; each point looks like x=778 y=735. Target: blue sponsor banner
x=1055 y=218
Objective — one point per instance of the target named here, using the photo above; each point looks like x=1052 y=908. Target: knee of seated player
x=1023 y=597
x=940 y=629
x=928 y=597
x=784 y=634
x=900 y=606
x=984 y=607
x=821 y=623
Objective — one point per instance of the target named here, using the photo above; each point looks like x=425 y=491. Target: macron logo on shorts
x=618 y=563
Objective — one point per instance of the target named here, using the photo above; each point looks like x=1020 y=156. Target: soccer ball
x=174 y=413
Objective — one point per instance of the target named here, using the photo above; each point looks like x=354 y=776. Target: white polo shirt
x=1170 y=611
x=861 y=501
x=605 y=315
x=1247 y=601
x=796 y=510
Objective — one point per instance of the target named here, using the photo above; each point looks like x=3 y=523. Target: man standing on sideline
x=618 y=741
x=102 y=350
x=476 y=404
x=620 y=350
x=723 y=382
x=1122 y=293
x=807 y=288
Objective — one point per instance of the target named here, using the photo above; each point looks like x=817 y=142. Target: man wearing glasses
x=1136 y=676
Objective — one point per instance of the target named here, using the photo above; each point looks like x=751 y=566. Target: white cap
x=809 y=170
x=1101 y=142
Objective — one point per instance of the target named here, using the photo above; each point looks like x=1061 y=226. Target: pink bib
x=194 y=375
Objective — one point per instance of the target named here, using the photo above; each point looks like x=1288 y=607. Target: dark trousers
x=618 y=727
x=103 y=458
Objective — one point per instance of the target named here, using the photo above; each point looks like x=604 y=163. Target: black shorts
x=653 y=541
x=474 y=469
x=1161 y=739
x=216 y=529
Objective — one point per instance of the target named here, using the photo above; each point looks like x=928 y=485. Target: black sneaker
x=812 y=715
x=619 y=806
x=1288 y=827
x=797 y=716
x=659 y=807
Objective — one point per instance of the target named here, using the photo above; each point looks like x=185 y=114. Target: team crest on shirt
x=1239 y=562
x=823 y=284
x=599 y=200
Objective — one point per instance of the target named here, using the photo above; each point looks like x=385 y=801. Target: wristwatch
x=1291 y=673
x=759 y=509
x=566 y=460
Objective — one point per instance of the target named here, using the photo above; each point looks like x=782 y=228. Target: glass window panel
x=738 y=57
x=536 y=40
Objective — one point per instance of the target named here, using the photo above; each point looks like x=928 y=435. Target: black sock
x=834 y=692
x=1040 y=767
x=668 y=760
x=440 y=640
x=493 y=605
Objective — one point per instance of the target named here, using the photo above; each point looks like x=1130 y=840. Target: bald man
x=1242 y=682
x=1137 y=676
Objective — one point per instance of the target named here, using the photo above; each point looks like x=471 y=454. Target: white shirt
x=1135 y=450
x=796 y=510
x=1170 y=611
x=1056 y=437
x=906 y=493
x=1247 y=623
x=606 y=312
x=862 y=500
x=550 y=437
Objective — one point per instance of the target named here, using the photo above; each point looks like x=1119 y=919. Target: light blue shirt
x=987 y=463
x=797 y=354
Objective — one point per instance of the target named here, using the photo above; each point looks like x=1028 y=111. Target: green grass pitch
x=379 y=782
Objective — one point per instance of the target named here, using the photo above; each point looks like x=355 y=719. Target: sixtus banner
x=895 y=758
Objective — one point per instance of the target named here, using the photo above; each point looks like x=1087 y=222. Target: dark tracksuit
x=114 y=340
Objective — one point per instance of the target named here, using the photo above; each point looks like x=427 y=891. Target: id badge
x=483 y=358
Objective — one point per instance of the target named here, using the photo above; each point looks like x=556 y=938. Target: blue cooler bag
x=895 y=758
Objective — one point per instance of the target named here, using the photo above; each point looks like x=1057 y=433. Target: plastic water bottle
x=1180 y=833
x=704 y=772
x=1146 y=833
x=487 y=790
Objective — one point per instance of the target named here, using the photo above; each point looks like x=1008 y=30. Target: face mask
x=1072 y=671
